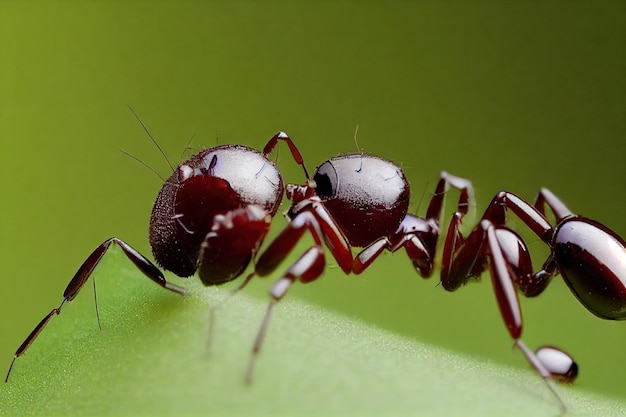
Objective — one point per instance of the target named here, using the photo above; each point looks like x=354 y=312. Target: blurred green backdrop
x=513 y=95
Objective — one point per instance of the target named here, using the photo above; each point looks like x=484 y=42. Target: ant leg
x=466 y=198
x=368 y=255
x=295 y=153
x=559 y=364
x=144 y=265
x=419 y=236
x=307 y=268
x=457 y=267
x=544 y=372
x=530 y=284
x=530 y=215
x=83 y=274
x=460 y=261
x=559 y=209
x=232 y=242
x=32 y=336
x=411 y=235
x=238 y=230
x=316 y=219
x=486 y=243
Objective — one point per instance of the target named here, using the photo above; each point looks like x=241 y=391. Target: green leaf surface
x=151 y=358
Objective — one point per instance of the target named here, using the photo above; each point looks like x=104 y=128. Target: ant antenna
x=218 y=139
x=421 y=199
x=356 y=143
x=145 y=128
x=358 y=148
x=187 y=148
x=144 y=164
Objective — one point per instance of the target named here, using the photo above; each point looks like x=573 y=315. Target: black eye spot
x=326 y=181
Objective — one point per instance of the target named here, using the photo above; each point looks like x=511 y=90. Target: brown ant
x=214 y=212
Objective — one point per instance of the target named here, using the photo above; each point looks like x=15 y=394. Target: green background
x=510 y=95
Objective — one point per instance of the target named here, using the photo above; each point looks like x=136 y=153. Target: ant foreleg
x=81 y=277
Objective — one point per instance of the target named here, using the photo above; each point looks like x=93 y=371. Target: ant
x=214 y=212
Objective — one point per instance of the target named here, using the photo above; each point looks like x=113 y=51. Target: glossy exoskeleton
x=210 y=216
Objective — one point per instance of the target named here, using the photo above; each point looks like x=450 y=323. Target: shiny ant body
x=214 y=212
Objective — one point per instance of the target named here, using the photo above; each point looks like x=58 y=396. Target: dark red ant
x=360 y=200
x=210 y=216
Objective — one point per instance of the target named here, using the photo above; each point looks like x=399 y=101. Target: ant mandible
x=210 y=216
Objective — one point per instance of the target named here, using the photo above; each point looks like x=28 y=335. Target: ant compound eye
x=326 y=180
